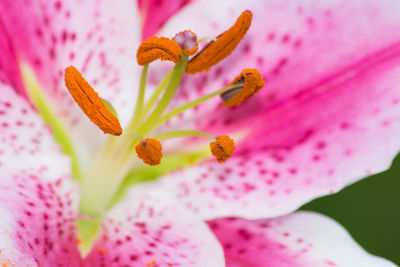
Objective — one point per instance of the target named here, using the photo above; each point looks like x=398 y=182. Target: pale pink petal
x=289 y=41
x=300 y=239
x=38 y=205
x=152 y=228
x=23 y=133
x=100 y=38
x=335 y=117
x=38 y=202
x=155 y=13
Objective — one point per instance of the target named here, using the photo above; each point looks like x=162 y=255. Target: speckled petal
x=153 y=228
x=154 y=14
x=328 y=115
x=9 y=71
x=300 y=239
x=99 y=38
x=23 y=133
x=38 y=202
x=38 y=205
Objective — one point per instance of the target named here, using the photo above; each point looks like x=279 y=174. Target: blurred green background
x=370 y=211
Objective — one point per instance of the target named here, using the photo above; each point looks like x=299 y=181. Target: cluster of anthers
x=115 y=166
x=177 y=50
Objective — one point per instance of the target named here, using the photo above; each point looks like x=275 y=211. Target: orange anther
x=90 y=102
x=149 y=150
x=252 y=83
x=187 y=40
x=161 y=48
x=217 y=50
x=222 y=149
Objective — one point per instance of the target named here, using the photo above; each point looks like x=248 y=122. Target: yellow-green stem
x=140 y=98
x=169 y=93
x=157 y=92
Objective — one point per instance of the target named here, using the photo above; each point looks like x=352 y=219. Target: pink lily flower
x=328 y=115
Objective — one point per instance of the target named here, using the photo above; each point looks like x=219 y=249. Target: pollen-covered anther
x=222 y=149
x=90 y=102
x=161 y=48
x=252 y=81
x=149 y=150
x=217 y=50
x=187 y=40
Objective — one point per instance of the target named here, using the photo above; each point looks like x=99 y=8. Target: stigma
x=187 y=40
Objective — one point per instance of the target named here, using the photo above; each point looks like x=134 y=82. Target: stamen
x=90 y=102
x=222 y=148
x=216 y=51
x=161 y=48
x=253 y=82
x=149 y=150
x=187 y=40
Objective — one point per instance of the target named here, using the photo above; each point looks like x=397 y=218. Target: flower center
x=134 y=154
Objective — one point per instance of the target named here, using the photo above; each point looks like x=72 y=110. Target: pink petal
x=9 y=71
x=100 y=38
x=149 y=227
x=23 y=133
x=155 y=13
x=300 y=239
x=38 y=207
x=38 y=203
x=328 y=117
